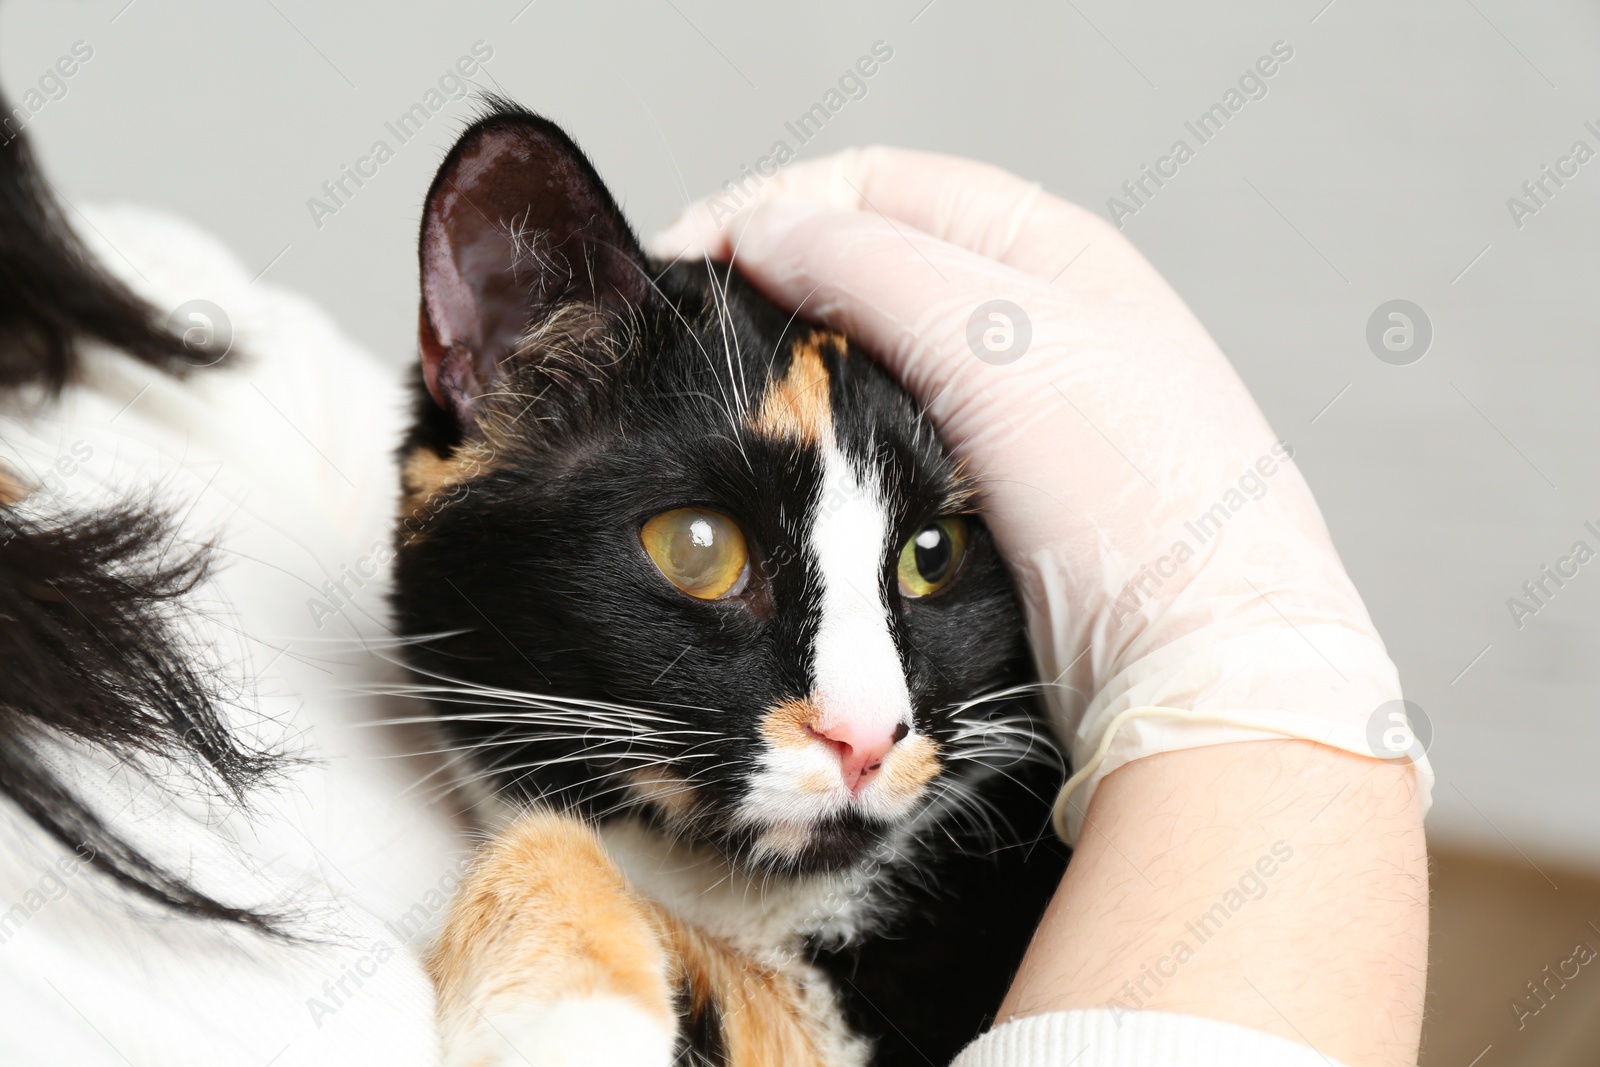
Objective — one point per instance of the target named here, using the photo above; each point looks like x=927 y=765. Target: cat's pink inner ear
x=447 y=326
x=517 y=223
x=473 y=307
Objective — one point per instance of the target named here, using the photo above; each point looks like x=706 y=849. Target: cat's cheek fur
x=795 y=788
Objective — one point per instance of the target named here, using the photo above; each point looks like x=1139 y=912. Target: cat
x=710 y=619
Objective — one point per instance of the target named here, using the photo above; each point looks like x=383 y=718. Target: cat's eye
x=701 y=552
x=932 y=556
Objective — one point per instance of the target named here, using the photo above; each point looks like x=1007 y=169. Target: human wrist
x=1328 y=948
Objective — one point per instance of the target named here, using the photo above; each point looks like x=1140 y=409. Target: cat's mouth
x=827 y=845
x=818 y=803
x=808 y=807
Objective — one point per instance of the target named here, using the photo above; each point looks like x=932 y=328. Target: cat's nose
x=861 y=748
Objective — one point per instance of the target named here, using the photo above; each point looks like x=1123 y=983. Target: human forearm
x=1169 y=906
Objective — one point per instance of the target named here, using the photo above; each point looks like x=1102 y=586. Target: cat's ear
x=517 y=225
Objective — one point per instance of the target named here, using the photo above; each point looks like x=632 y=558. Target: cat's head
x=668 y=550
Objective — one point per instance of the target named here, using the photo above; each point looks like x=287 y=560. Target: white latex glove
x=1180 y=585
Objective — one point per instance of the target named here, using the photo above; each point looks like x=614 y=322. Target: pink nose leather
x=861 y=749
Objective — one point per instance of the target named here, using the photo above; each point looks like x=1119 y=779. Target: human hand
x=1180 y=585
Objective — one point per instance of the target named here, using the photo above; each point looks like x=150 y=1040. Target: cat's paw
x=548 y=959
x=589 y=1032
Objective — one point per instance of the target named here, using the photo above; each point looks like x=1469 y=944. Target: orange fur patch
x=820 y=782
x=761 y=1010
x=910 y=766
x=426 y=475
x=798 y=406
x=545 y=915
x=788 y=724
x=11 y=488
x=667 y=791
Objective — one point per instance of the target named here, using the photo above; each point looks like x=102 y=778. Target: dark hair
x=89 y=647
x=52 y=293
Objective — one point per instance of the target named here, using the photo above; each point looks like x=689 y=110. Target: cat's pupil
x=933 y=553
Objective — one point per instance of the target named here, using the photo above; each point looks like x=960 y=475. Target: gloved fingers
x=1167 y=551
x=902 y=294
x=972 y=205
x=1019 y=375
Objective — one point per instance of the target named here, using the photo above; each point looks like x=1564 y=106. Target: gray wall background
x=1377 y=166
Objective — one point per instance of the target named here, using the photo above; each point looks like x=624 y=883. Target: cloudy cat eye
x=931 y=558
x=701 y=552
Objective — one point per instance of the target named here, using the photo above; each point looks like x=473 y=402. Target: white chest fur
x=766 y=916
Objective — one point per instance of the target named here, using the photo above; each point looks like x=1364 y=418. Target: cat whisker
x=465 y=686
x=512 y=718
x=539 y=699
x=726 y=315
x=536 y=710
x=994 y=696
x=498 y=742
x=510 y=696
x=962 y=802
x=694 y=335
x=524 y=767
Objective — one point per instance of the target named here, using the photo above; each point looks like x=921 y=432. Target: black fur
x=88 y=651
x=932 y=981
x=531 y=577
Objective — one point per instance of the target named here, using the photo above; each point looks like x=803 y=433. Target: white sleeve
x=281 y=459
x=1102 y=1038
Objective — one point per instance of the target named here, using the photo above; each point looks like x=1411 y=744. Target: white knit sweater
x=1133 y=1039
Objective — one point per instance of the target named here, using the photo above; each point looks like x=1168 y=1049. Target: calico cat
x=695 y=590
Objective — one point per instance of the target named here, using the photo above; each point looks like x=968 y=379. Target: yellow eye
x=701 y=552
x=932 y=556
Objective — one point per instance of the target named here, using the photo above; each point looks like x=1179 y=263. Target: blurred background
x=1444 y=153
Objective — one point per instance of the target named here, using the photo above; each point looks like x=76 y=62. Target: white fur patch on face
x=798 y=785
x=856 y=665
x=856 y=668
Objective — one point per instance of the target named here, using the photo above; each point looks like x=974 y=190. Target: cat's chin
x=827 y=846
x=839 y=842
